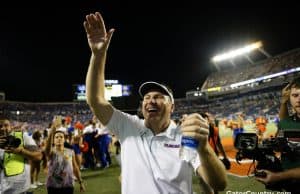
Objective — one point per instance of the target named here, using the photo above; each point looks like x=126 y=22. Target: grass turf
x=106 y=181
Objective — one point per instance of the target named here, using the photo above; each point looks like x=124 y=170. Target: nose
x=150 y=100
x=153 y=100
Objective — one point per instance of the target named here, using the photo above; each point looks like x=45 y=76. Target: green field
x=106 y=182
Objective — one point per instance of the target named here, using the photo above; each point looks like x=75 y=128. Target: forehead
x=59 y=134
x=295 y=90
x=154 y=92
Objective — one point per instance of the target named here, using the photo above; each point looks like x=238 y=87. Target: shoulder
x=125 y=118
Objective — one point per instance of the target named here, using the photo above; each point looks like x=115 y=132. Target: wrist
x=203 y=149
x=99 y=53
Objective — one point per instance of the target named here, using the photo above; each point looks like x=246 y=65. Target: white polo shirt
x=151 y=164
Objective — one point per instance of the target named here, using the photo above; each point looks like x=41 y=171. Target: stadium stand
x=285 y=61
x=258 y=98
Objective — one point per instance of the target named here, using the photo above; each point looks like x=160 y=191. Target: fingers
x=109 y=35
x=101 y=23
x=195 y=126
x=194 y=119
x=286 y=88
x=87 y=27
x=94 y=22
x=196 y=134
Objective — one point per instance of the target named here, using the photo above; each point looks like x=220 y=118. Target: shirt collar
x=170 y=132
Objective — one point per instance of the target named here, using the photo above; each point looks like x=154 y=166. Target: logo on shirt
x=172 y=145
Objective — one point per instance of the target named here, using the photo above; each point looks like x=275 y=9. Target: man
x=214 y=139
x=291 y=165
x=103 y=142
x=150 y=147
x=14 y=168
x=88 y=136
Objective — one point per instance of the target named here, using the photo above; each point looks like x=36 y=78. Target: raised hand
x=98 y=38
x=285 y=94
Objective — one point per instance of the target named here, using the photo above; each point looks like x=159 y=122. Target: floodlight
x=237 y=52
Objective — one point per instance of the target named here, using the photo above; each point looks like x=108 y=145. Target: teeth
x=152 y=109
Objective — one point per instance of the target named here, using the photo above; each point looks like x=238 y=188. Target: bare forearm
x=31 y=155
x=95 y=88
x=76 y=170
x=49 y=144
x=212 y=169
x=289 y=174
x=95 y=78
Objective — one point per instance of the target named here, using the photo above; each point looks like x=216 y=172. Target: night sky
x=43 y=50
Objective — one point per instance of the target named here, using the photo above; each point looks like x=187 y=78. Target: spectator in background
x=237 y=126
x=150 y=147
x=261 y=127
x=62 y=124
x=77 y=143
x=36 y=164
x=103 y=146
x=62 y=165
x=88 y=137
x=290 y=176
x=215 y=140
x=15 y=169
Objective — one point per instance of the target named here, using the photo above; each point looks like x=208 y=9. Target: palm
x=97 y=36
x=96 y=41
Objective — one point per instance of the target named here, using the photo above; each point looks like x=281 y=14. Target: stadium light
x=237 y=52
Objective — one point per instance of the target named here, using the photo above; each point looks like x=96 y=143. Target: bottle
x=188 y=150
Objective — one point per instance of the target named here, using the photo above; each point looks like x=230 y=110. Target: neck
x=158 y=127
x=59 y=148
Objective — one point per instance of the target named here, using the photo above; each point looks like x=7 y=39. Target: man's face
x=156 y=106
x=295 y=99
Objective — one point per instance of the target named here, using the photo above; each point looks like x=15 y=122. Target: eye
x=146 y=97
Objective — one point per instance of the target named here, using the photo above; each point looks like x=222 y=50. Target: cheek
x=143 y=109
x=167 y=108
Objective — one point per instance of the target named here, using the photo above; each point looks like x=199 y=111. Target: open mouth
x=152 y=110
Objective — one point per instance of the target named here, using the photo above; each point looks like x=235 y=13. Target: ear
x=172 y=108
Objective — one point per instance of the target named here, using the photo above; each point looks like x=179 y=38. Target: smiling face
x=157 y=108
